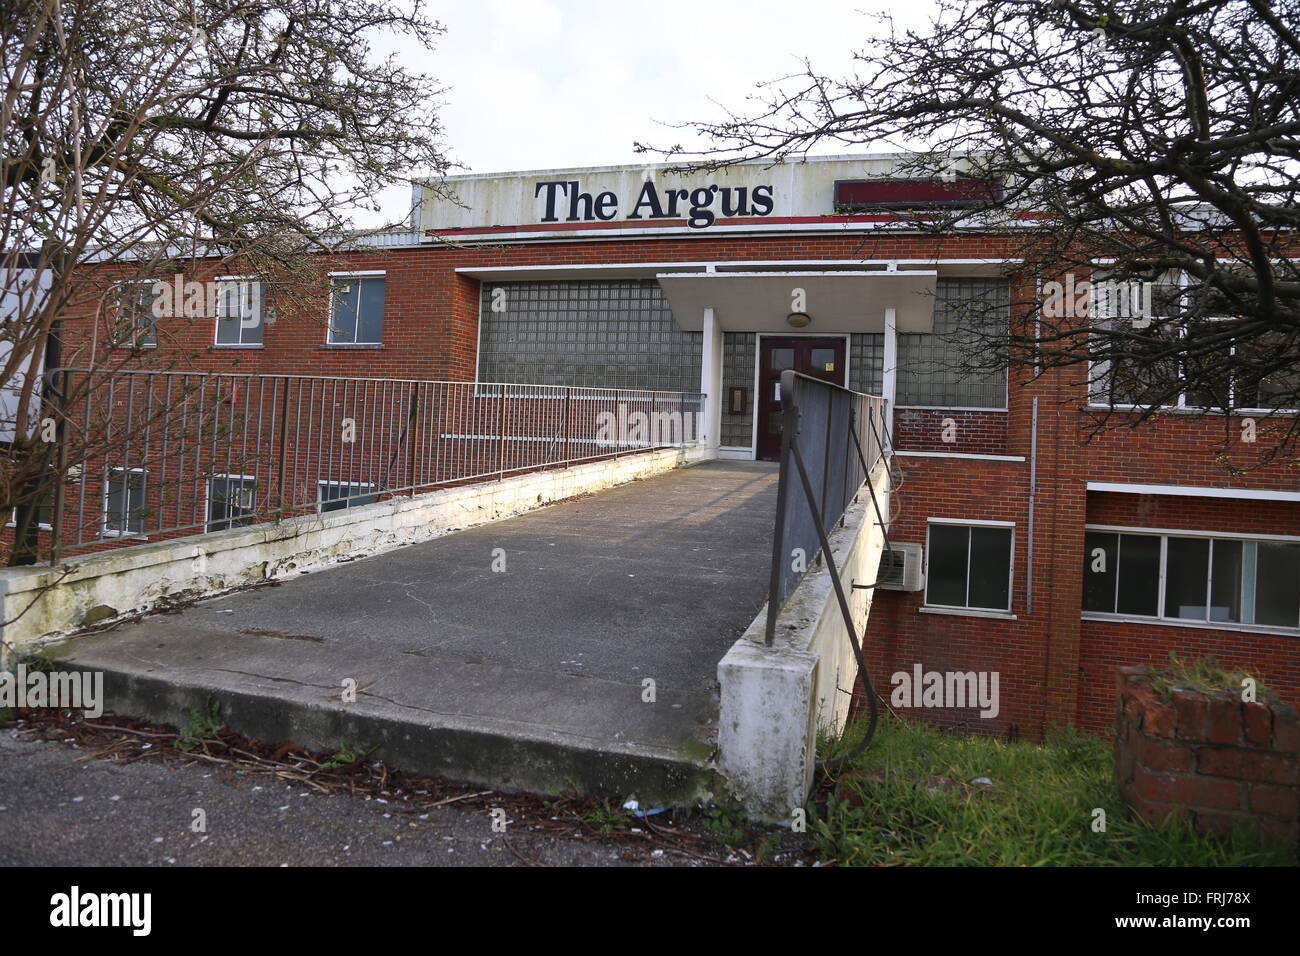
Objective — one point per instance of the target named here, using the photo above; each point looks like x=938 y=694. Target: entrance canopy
x=833 y=301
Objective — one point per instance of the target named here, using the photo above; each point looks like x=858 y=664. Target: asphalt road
x=61 y=807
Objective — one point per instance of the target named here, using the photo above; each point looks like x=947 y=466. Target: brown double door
x=818 y=358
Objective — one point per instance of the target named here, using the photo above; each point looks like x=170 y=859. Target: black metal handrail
x=831 y=420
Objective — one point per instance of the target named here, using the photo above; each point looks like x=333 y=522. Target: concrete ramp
x=571 y=648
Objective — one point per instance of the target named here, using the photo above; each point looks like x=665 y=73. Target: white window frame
x=152 y=326
x=1008 y=611
x=323 y=482
x=1182 y=405
x=222 y=282
x=207 y=500
x=13 y=521
x=1161 y=617
x=105 y=530
x=329 y=314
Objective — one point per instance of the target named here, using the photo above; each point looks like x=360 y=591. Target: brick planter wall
x=1221 y=760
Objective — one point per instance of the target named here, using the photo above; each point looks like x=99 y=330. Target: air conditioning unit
x=900 y=568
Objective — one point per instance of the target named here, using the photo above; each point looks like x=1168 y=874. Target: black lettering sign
x=700 y=207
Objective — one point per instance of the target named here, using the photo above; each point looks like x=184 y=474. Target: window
x=1181 y=345
x=232 y=501
x=241 y=312
x=1260 y=386
x=137 y=327
x=356 y=310
x=44 y=515
x=969 y=566
x=947 y=368
x=612 y=333
x=1186 y=578
x=782 y=359
x=337 y=495
x=124 y=501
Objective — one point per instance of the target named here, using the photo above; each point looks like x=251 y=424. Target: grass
x=1203 y=675
x=347 y=755
x=912 y=799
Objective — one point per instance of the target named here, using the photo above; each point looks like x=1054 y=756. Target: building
x=1051 y=557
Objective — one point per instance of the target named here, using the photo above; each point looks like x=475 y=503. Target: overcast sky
x=539 y=84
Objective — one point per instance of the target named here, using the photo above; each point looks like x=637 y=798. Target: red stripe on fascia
x=659 y=224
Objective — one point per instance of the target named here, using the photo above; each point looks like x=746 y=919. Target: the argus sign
x=700 y=206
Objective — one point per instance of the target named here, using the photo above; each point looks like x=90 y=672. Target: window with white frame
x=1213 y=580
x=232 y=501
x=356 y=310
x=241 y=312
x=969 y=565
x=337 y=495
x=137 y=326
x=44 y=515
x=1168 y=353
x=124 y=501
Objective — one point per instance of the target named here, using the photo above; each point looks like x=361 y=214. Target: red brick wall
x=1211 y=756
x=431 y=311
x=1054 y=668
x=972 y=433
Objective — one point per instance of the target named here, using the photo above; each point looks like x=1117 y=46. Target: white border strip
x=1193 y=491
x=1186 y=533
x=953 y=454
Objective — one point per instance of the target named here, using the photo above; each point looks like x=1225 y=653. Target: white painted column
x=889 y=367
x=711 y=380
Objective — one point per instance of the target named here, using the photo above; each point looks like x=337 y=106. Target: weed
x=201 y=727
x=727 y=822
x=346 y=756
x=609 y=818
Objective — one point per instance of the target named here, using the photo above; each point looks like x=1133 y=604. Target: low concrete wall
x=43 y=603
x=776 y=699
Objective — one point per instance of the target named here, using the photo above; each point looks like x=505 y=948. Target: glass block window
x=738 y=372
x=930 y=369
x=615 y=333
x=867 y=362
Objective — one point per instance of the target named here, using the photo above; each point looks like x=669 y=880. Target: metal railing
x=145 y=454
x=846 y=436
x=834 y=438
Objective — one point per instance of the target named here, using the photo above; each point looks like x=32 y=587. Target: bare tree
x=141 y=138
x=1154 y=144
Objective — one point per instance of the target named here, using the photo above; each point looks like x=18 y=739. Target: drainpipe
x=1033 y=488
x=889 y=366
